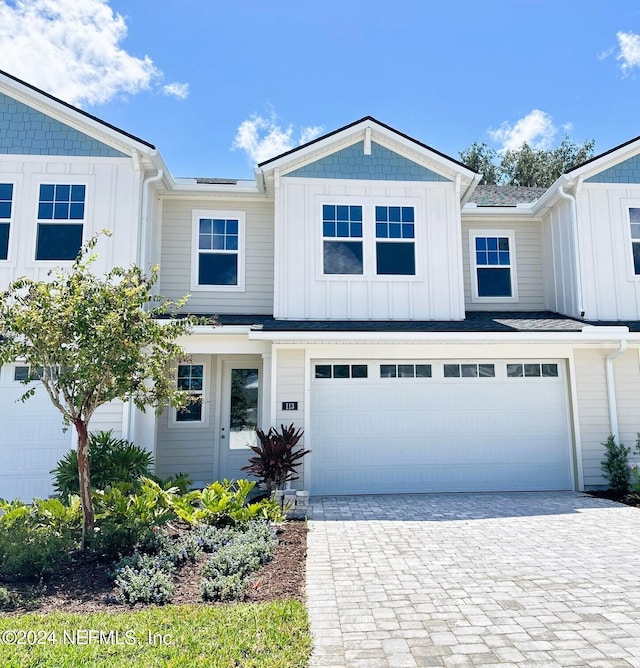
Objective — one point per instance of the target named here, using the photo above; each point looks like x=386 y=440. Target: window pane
x=232 y=242
x=532 y=370
x=636 y=258
x=356 y=229
x=21 y=373
x=492 y=256
x=6 y=191
x=395 y=259
x=46 y=192
x=407 y=231
x=407 y=214
x=206 y=225
x=343 y=229
x=381 y=214
x=77 y=193
x=514 y=371
x=359 y=371
x=406 y=371
x=634 y=215
x=341 y=371
x=356 y=213
x=61 y=211
x=343 y=213
x=635 y=230
x=58 y=241
x=494 y=282
x=550 y=370
x=329 y=229
x=486 y=370
x=481 y=243
x=382 y=230
x=76 y=211
x=218 y=269
x=387 y=371
x=503 y=244
x=469 y=370
x=323 y=371
x=45 y=211
x=328 y=212
x=452 y=371
x=218 y=226
x=232 y=227
x=4 y=241
x=192 y=412
x=394 y=214
x=5 y=209
x=492 y=243
x=343 y=257
x=423 y=370
x=395 y=231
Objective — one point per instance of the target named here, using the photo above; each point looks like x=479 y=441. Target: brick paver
x=531 y=579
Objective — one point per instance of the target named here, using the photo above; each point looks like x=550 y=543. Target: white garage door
x=454 y=426
x=31 y=442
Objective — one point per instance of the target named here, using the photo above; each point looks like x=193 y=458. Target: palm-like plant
x=276 y=460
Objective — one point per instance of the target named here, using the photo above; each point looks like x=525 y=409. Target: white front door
x=240 y=415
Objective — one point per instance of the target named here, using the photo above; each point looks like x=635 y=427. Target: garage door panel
x=466 y=434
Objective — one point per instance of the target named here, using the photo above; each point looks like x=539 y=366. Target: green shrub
x=111 y=460
x=211 y=538
x=615 y=466
x=145 y=585
x=140 y=561
x=224 y=587
x=225 y=504
x=275 y=461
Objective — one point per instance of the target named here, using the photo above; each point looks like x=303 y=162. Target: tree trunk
x=88 y=514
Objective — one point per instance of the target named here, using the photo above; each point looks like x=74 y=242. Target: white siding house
x=427 y=333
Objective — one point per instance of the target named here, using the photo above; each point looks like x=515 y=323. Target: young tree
x=93 y=339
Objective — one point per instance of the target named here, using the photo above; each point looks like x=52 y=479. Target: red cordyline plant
x=276 y=461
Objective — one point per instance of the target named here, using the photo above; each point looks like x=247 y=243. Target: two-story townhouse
x=427 y=333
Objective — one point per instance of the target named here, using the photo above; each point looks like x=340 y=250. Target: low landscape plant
x=615 y=466
x=151 y=583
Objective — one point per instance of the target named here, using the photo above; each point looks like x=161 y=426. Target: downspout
x=611 y=388
x=130 y=411
x=574 y=230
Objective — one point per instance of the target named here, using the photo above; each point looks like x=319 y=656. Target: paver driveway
x=536 y=579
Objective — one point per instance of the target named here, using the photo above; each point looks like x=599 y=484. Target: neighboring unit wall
x=177 y=257
x=108 y=417
x=528 y=259
x=111 y=201
x=593 y=410
x=559 y=261
x=188 y=447
x=611 y=290
x=303 y=291
x=290 y=387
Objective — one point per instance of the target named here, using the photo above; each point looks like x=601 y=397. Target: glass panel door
x=243 y=408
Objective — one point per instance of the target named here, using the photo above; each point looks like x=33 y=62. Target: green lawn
x=243 y=635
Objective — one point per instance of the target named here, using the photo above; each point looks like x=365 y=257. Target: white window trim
x=240 y=216
x=627 y=204
x=173 y=412
x=61 y=179
x=511 y=235
x=11 y=220
x=369 y=240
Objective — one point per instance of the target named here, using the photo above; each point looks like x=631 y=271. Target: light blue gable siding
x=381 y=165
x=625 y=172
x=26 y=131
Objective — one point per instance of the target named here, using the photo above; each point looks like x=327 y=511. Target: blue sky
x=196 y=77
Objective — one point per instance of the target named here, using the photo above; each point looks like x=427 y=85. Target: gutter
x=574 y=232
x=145 y=216
x=611 y=388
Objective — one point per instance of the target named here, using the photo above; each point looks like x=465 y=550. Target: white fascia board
x=498 y=211
x=178 y=187
x=445 y=337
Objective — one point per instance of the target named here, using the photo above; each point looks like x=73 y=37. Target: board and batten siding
x=593 y=407
x=611 y=290
x=290 y=387
x=303 y=291
x=108 y=418
x=186 y=447
x=559 y=261
x=528 y=255
x=176 y=257
x=112 y=202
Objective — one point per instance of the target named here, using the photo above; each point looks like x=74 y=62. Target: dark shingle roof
x=505 y=195
x=475 y=321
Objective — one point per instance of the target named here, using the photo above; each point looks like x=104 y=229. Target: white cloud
x=262 y=138
x=72 y=49
x=178 y=90
x=536 y=128
x=629 y=56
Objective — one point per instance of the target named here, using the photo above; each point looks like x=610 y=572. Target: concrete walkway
x=536 y=579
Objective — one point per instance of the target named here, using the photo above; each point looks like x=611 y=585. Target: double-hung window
x=190 y=379
x=218 y=261
x=6 y=208
x=342 y=239
x=395 y=241
x=61 y=209
x=493 y=265
x=634 y=221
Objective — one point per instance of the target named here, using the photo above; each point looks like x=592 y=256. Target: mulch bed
x=83 y=588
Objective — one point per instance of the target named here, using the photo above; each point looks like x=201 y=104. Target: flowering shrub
x=150 y=584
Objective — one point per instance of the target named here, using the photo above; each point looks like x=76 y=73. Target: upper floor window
x=493 y=265
x=60 y=207
x=218 y=261
x=634 y=221
x=342 y=239
x=395 y=245
x=6 y=208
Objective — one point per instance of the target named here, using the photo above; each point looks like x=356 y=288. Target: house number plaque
x=289 y=405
